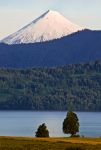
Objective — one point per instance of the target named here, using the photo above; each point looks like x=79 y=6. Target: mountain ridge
x=82 y=46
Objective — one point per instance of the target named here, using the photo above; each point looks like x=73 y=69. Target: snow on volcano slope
x=51 y=25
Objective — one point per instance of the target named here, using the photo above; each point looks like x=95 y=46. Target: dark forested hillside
x=79 y=47
x=76 y=87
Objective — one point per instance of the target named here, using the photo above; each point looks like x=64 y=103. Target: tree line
x=73 y=87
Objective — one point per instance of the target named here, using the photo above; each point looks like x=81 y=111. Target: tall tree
x=71 y=124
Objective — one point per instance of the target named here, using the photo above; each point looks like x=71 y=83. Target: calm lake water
x=25 y=123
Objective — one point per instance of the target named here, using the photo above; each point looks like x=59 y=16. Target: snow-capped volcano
x=51 y=25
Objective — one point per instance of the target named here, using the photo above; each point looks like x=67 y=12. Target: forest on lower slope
x=76 y=87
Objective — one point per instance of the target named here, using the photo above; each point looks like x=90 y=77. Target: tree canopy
x=76 y=87
x=71 y=124
x=42 y=131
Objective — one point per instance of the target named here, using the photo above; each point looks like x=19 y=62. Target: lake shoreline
x=75 y=140
x=11 y=110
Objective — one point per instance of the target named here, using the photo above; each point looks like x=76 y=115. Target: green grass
x=17 y=143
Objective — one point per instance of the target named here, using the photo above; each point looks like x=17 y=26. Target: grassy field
x=20 y=143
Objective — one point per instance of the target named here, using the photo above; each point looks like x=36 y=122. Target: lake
x=25 y=123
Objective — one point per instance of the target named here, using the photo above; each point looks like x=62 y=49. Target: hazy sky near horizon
x=14 y=14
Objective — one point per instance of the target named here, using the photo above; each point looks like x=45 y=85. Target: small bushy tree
x=71 y=124
x=42 y=131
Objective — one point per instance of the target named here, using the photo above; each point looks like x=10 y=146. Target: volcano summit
x=50 y=25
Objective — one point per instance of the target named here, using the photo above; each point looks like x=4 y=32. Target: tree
x=71 y=124
x=42 y=131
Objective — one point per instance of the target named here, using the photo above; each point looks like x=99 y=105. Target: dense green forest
x=76 y=87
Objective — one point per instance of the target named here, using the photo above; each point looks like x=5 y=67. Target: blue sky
x=14 y=14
